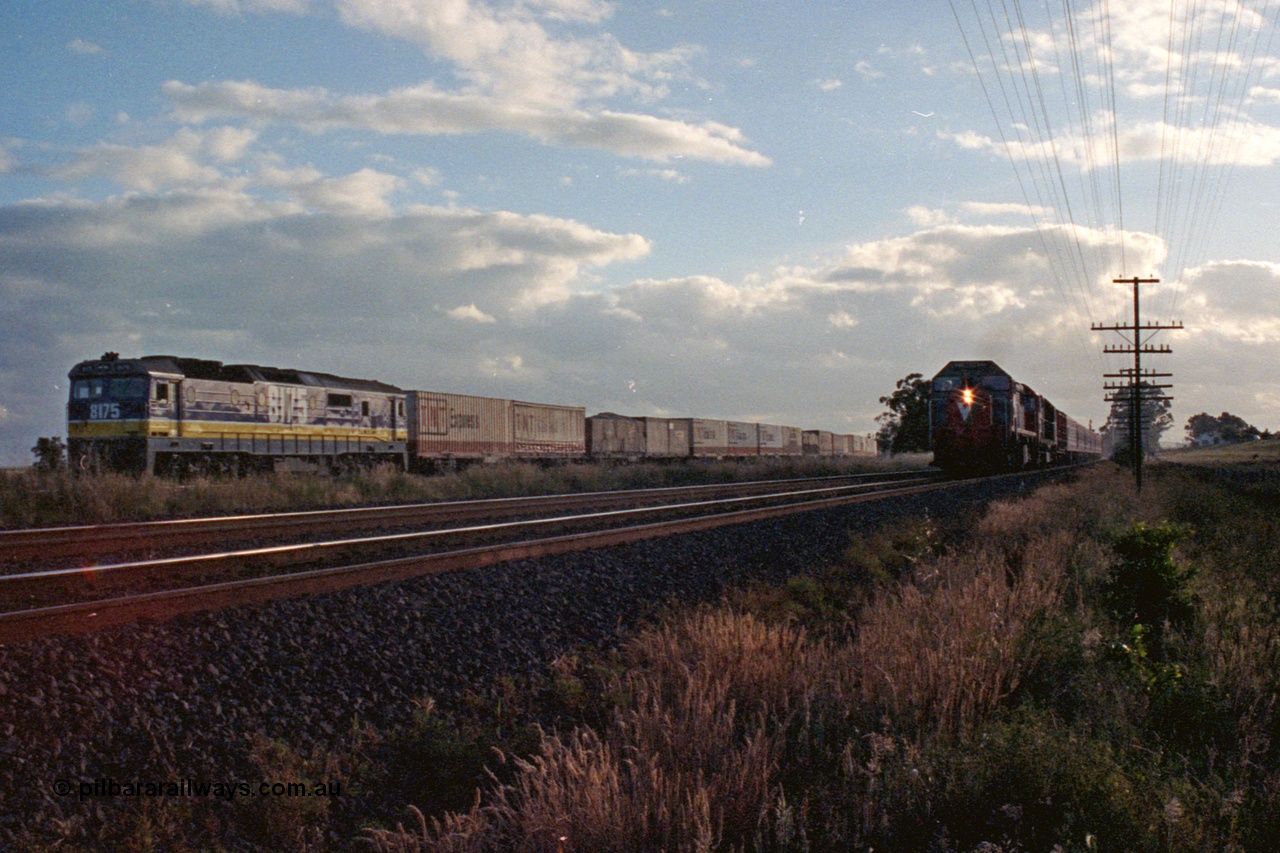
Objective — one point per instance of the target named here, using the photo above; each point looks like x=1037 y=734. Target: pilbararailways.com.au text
x=228 y=790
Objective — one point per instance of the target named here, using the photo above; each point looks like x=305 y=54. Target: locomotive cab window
x=162 y=392
x=124 y=388
x=340 y=401
x=364 y=408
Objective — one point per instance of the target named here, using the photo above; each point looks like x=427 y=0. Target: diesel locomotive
x=165 y=413
x=981 y=419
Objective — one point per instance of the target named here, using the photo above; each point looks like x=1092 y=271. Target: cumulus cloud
x=986 y=210
x=924 y=217
x=425 y=110
x=506 y=51
x=470 y=313
x=364 y=192
x=178 y=161
x=1239 y=143
x=867 y=70
x=243 y=7
x=85 y=48
x=517 y=73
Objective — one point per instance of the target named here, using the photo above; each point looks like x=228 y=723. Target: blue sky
x=755 y=211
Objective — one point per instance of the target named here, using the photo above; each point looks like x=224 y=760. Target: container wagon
x=447 y=428
x=818 y=442
x=611 y=436
x=743 y=438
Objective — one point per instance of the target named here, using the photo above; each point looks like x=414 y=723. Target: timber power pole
x=1140 y=388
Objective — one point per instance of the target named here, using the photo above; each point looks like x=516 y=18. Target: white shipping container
x=708 y=437
x=744 y=438
x=770 y=439
x=544 y=431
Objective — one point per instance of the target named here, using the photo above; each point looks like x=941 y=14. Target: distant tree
x=1155 y=418
x=1201 y=425
x=905 y=427
x=1227 y=427
x=50 y=453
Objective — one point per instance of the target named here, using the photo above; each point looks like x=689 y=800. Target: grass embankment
x=1089 y=670
x=30 y=498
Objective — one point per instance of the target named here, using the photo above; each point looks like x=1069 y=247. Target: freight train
x=167 y=414
x=981 y=419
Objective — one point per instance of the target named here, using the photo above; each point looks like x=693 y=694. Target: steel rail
x=126 y=537
x=308 y=551
x=96 y=615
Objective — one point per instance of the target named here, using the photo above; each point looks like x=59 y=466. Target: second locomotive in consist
x=159 y=414
x=981 y=419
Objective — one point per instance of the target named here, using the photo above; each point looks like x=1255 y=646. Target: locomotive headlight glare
x=967 y=395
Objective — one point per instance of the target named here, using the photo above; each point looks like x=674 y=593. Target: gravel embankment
x=136 y=703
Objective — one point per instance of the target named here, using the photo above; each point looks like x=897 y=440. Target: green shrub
x=1029 y=783
x=1146 y=586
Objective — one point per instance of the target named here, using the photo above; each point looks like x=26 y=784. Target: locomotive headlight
x=967 y=396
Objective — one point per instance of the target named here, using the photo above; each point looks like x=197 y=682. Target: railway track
x=428 y=539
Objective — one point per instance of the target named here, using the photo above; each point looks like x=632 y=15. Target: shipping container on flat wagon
x=863 y=445
x=611 y=436
x=666 y=438
x=853 y=445
x=459 y=426
x=779 y=440
x=546 y=431
x=818 y=442
x=744 y=438
x=708 y=438
x=792 y=441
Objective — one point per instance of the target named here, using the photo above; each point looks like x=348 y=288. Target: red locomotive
x=981 y=419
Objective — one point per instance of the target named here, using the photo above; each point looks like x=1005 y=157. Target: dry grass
x=941 y=654
x=721 y=705
x=35 y=498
